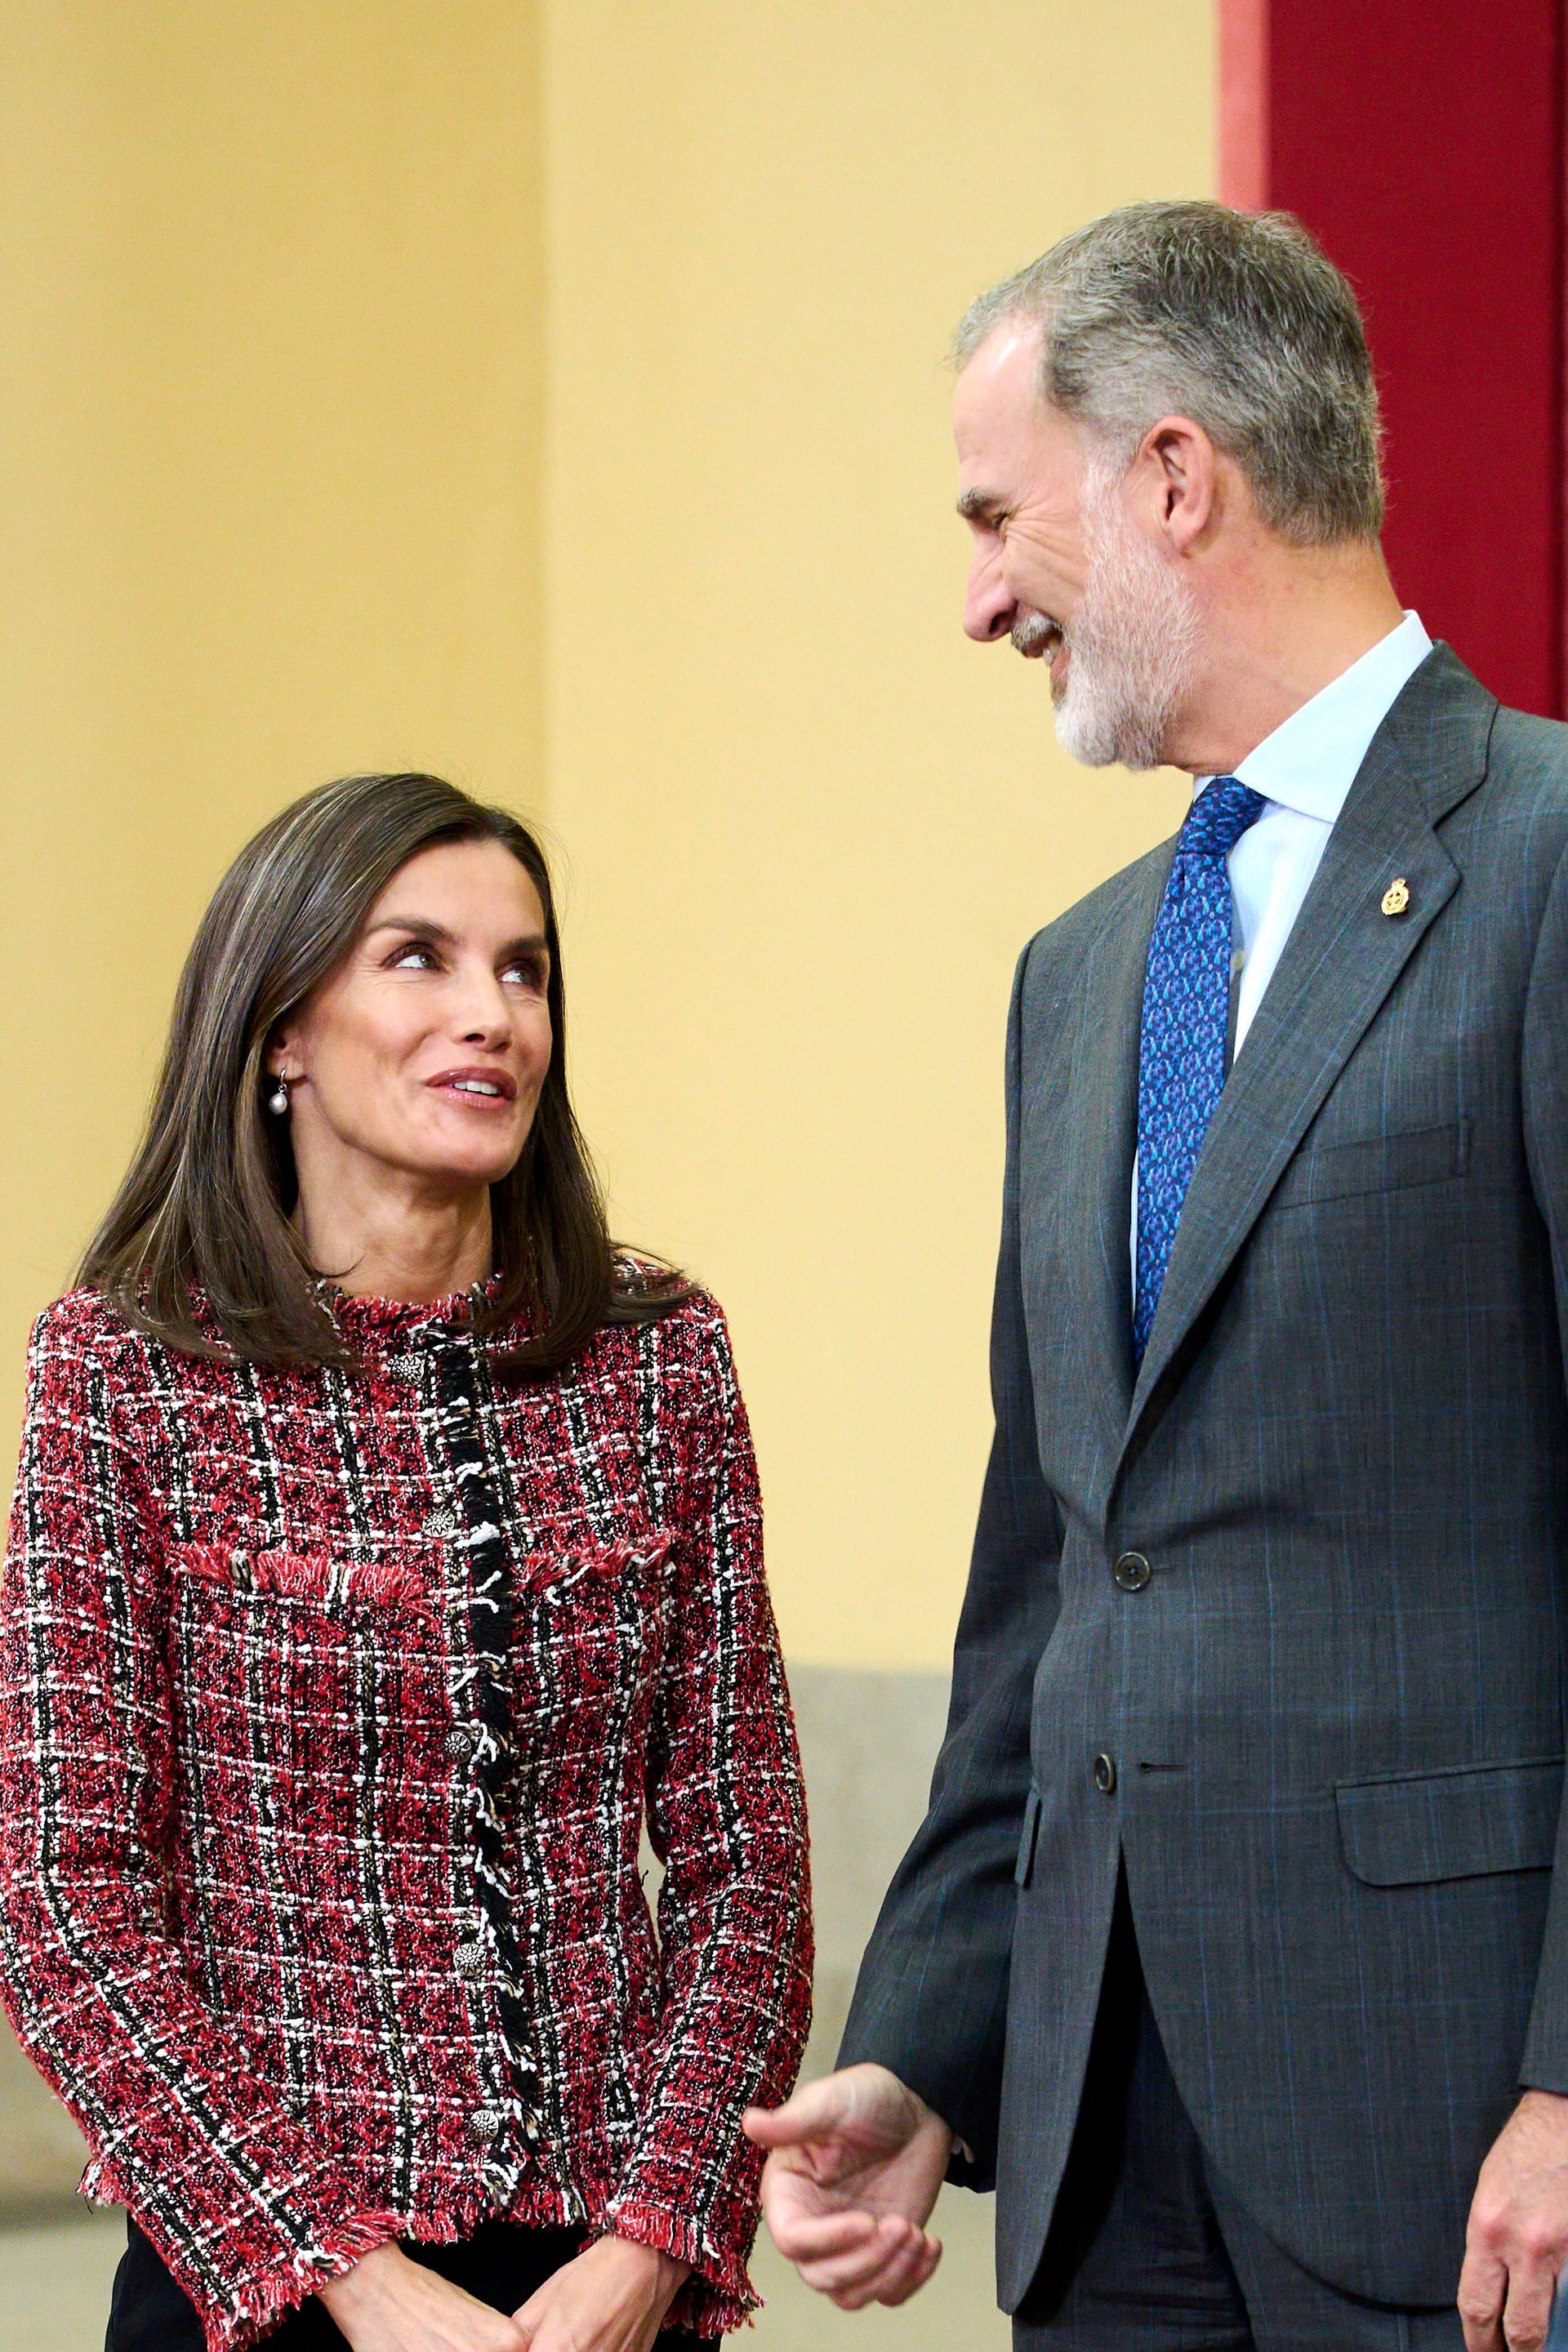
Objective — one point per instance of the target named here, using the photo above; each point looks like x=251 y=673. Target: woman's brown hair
x=197 y=1248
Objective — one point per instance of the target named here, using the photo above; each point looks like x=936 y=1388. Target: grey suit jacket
x=1336 y=1707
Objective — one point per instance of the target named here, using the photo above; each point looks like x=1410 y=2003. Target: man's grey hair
x=1237 y=321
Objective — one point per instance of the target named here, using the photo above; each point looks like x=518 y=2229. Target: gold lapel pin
x=1397 y=898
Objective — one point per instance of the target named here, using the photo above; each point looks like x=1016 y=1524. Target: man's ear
x=1180 y=468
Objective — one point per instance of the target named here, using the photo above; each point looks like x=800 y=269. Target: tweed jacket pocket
x=594 y=1625
x=401 y=1586
x=1466 y=1823
x=1375 y=1163
x=292 y=1667
x=554 y=1574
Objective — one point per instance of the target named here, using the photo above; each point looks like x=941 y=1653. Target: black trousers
x=500 y=2265
x=1151 y=2251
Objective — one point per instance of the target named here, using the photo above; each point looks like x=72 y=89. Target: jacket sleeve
x=1544 y=1092
x=932 y=1998
x=727 y=1819
x=243 y=2207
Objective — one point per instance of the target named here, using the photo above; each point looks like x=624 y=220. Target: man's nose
x=989 y=607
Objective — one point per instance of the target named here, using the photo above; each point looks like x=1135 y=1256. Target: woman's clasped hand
x=612 y=2298
x=388 y=2304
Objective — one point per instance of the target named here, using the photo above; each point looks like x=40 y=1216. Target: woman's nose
x=485 y=1014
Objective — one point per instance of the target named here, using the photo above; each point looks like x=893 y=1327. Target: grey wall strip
x=868 y=1741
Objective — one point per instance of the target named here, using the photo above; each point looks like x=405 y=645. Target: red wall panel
x=1423 y=145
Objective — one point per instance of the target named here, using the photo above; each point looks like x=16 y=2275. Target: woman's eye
x=414 y=958
x=526 y=973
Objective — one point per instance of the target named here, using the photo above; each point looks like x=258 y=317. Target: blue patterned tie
x=1187 y=1019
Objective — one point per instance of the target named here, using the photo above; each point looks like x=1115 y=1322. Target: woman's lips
x=476 y=1089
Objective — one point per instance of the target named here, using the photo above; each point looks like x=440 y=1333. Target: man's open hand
x=1518 y=2239
x=856 y=2164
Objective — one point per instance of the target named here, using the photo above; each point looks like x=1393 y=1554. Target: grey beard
x=1132 y=642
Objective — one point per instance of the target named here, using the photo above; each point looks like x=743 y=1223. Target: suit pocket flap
x=1377 y=1163
x=1461 y=1825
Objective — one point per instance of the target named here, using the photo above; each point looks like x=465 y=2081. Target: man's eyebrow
x=979 y=506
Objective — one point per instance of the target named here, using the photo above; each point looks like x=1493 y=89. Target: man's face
x=1060 y=566
x=1021 y=469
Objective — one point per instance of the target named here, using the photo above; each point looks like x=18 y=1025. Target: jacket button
x=1132 y=1571
x=1105 y=1775
x=482 y=2126
x=459 y=1744
x=470 y=1960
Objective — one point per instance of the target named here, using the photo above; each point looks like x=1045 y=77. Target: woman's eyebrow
x=423 y=927
x=420 y=925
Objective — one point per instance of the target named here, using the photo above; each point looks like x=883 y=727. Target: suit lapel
x=1101 y=1127
x=1340 y=962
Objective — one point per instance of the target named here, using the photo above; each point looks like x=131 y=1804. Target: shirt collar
x=1310 y=761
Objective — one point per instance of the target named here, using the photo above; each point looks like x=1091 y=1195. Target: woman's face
x=423 y=1057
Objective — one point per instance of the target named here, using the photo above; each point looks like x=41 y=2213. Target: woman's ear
x=281 y=1058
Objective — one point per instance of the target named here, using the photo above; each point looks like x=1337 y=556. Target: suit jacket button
x=1105 y=1775
x=459 y=1744
x=1132 y=1571
x=470 y=1960
x=483 y=2126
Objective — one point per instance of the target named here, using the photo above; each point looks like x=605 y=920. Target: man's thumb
x=816 y=2112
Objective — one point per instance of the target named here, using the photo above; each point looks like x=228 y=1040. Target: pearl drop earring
x=278 y=1100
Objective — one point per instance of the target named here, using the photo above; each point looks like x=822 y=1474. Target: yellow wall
x=269 y=451
x=274 y=353
x=809 y=827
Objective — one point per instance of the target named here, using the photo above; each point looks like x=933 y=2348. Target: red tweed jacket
x=331 y=1706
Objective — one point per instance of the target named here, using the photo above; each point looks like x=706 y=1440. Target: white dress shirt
x=1304 y=770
